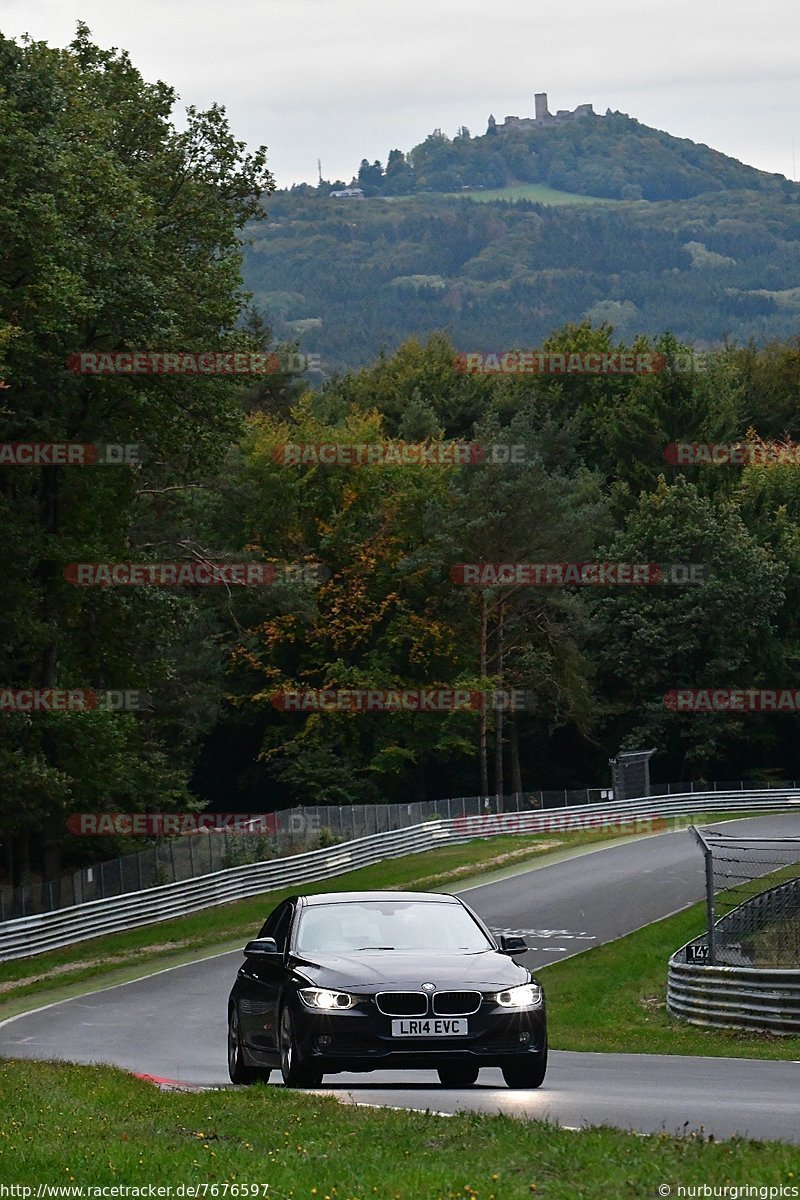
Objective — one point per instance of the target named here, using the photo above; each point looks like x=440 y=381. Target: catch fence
x=744 y=971
x=293 y=831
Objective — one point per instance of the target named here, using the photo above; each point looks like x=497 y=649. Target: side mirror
x=513 y=945
x=261 y=948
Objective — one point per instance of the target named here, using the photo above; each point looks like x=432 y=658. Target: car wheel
x=527 y=1072
x=458 y=1075
x=295 y=1073
x=237 y=1067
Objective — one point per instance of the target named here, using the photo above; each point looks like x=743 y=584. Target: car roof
x=355 y=897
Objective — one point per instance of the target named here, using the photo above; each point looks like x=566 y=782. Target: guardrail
x=734 y=997
x=26 y=936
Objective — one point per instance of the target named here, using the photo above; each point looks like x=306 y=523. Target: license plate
x=430 y=1027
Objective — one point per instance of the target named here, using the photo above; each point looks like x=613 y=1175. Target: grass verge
x=538 y=192
x=69 y=1125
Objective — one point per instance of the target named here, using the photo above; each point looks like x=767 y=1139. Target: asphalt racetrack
x=173 y=1024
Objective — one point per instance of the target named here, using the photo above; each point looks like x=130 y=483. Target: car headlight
x=524 y=996
x=322 y=998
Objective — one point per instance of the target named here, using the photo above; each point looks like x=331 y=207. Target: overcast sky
x=342 y=80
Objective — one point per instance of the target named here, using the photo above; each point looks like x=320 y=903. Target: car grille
x=456 y=1004
x=402 y=1004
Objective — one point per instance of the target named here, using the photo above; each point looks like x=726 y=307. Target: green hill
x=614 y=157
x=714 y=253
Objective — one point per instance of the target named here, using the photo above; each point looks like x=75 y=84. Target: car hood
x=484 y=971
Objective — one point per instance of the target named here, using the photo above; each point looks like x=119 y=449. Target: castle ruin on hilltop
x=543 y=116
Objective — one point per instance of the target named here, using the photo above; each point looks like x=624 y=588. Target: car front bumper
x=360 y=1039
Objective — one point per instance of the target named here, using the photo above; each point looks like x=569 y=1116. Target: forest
x=353 y=278
x=130 y=239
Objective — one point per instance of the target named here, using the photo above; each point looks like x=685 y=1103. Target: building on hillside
x=351 y=193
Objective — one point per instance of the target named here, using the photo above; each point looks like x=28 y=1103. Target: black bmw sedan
x=368 y=981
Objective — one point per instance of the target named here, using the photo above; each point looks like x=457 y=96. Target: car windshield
x=376 y=926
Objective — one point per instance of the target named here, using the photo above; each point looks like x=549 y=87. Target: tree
x=370 y=177
x=650 y=640
x=528 y=639
x=399 y=178
x=374 y=623
x=118 y=232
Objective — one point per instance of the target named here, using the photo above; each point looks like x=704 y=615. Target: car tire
x=238 y=1069
x=458 y=1075
x=295 y=1074
x=526 y=1072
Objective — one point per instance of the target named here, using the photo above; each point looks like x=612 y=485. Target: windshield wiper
x=375 y=947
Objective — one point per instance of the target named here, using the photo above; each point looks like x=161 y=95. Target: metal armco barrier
x=25 y=936
x=734 y=997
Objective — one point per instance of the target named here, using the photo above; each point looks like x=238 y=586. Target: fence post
x=710 y=914
x=712 y=958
